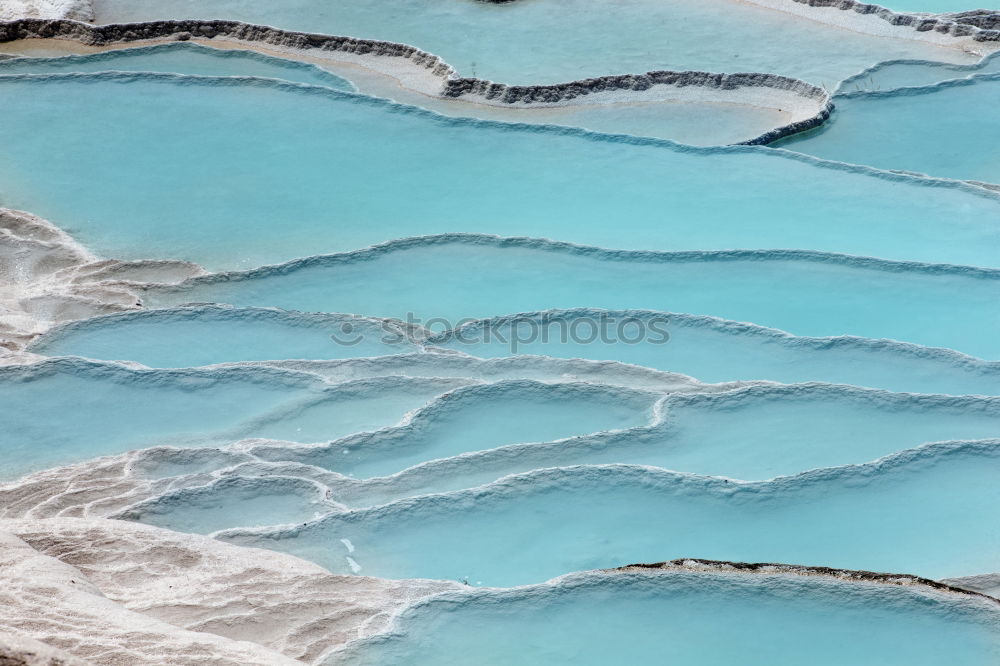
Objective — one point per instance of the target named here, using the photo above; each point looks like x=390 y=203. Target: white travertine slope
x=46 y=278
x=19 y=650
x=119 y=592
x=54 y=602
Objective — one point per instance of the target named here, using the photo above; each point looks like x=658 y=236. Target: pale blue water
x=188 y=337
x=709 y=349
x=180 y=58
x=915 y=129
x=691 y=618
x=458 y=277
x=704 y=123
x=715 y=350
x=565 y=40
x=480 y=418
x=69 y=411
x=539 y=368
x=270 y=500
x=764 y=433
x=164 y=462
x=924 y=513
x=910 y=73
x=755 y=434
x=696 y=124
x=171 y=172
x=438 y=475
x=352 y=407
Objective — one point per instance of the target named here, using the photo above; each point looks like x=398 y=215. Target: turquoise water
x=762 y=433
x=697 y=124
x=530 y=421
x=68 y=411
x=716 y=350
x=679 y=617
x=754 y=434
x=703 y=123
x=376 y=406
x=164 y=462
x=188 y=337
x=539 y=368
x=451 y=278
x=913 y=73
x=479 y=418
x=709 y=349
x=180 y=58
x=270 y=501
x=352 y=407
x=187 y=182
x=922 y=513
x=915 y=129
x=565 y=40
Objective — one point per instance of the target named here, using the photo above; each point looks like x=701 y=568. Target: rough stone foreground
x=80 y=10
x=19 y=650
x=113 y=592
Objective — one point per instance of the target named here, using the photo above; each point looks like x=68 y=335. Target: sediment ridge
x=117 y=592
x=770 y=568
x=985 y=19
x=80 y=10
x=809 y=104
x=934 y=27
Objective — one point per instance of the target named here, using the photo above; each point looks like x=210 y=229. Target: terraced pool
x=188 y=183
x=491 y=340
x=893 y=129
x=777 y=617
x=551 y=42
x=918 y=512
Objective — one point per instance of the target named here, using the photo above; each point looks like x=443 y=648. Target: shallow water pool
x=915 y=129
x=752 y=434
x=273 y=500
x=440 y=281
x=205 y=335
x=705 y=618
x=67 y=411
x=557 y=41
x=715 y=350
x=921 y=513
x=730 y=120
x=479 y=418
x=710 y=349
x=231 y=173
x=914 y=73
x=180 y=58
